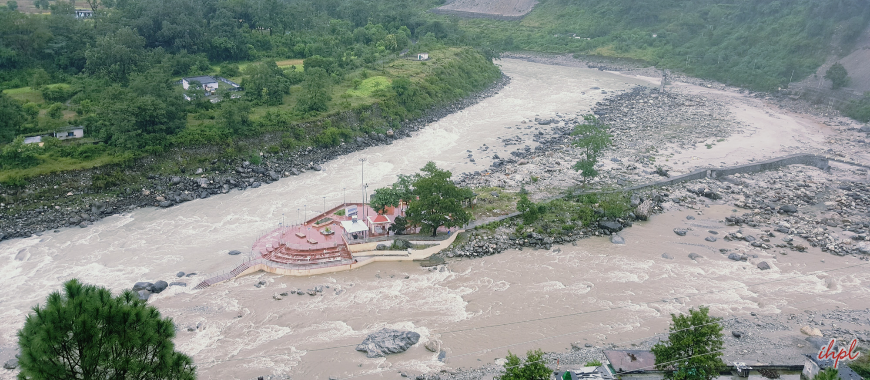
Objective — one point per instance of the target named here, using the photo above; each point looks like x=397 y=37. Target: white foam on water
x=500 y=286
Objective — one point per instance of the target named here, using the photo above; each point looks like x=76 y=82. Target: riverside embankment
x=70 y=199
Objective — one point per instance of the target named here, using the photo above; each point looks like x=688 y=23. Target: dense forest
x=759 y=44
x=117 y=73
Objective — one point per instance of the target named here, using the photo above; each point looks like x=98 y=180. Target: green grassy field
x=25 y=94
x=368 y=86
x=345 y=96
x=50 y=165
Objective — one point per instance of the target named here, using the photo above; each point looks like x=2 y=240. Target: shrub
x=15 y=181
x=57 y=93
x=55 y=111
x=331 y=136
x=230 y=70
x=861 y=365
x=18 y=155
x=109 y=180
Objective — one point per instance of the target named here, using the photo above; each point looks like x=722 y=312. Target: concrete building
x=84 y=13
x=206 y=82
x=70 y=133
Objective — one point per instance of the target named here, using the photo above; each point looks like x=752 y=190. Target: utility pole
x=324 y=204
x=363 y=183
x=362 y=178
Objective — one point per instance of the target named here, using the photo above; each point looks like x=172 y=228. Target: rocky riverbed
x=789 y=211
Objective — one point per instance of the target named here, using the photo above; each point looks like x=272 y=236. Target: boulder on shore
x=387 y=341
x=737 y=257
x=402 y=244
x=610 y=226
x=811 y=331
x=788 y=209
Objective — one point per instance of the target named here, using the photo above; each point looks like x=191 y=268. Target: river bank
x=81 y=205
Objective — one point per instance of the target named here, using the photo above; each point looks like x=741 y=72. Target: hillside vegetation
x=300 y=63
x=760 y=44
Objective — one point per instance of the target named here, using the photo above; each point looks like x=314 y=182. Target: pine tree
x=86 y=333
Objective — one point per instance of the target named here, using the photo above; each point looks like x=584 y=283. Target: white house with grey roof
x=206 y=82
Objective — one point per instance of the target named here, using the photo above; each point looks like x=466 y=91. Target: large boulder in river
x=387 y=341
x=158 y=286
x=11 y=364
x=616 y=239
x=141 y=286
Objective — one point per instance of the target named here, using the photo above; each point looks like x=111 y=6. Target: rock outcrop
x=387 y=341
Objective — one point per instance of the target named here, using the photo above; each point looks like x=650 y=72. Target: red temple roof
x=381 y=219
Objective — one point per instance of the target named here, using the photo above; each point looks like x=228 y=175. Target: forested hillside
x=117 y=74
x=760 y=44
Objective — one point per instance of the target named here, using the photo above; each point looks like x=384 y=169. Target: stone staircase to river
x=228 y=275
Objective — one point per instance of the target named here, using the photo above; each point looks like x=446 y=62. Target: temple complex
x=326 y=239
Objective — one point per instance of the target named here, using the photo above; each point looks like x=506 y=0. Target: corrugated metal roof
x=631 y=360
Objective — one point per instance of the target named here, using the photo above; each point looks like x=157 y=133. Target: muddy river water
x=593 y=292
